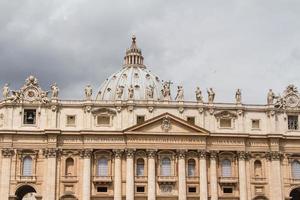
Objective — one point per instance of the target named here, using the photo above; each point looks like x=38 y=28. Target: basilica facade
x=135 y=140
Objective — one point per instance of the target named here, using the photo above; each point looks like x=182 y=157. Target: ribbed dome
x=134 y=81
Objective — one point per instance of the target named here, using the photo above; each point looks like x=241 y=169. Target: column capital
x=118 y=153
x=202 y=153
x=151 y=153
x=130 y=153
x=7 y=152
x=181 y=153
x=213 y=155
x=274 y=155
x=242 y=155
x=51 y=152
x=86 y=153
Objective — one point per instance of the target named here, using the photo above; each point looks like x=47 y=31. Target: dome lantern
x=133 y=55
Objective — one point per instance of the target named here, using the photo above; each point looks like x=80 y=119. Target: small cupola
x=133 y=55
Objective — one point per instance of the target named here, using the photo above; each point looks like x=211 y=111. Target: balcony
x=102 y=179
x=228 y=180
x=259 y=180
x=69 y=179
x=140 y=179
x=166 y=179
x=192 y=179
x=26 y=179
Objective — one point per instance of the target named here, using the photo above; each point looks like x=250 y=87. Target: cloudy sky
x=249 y=44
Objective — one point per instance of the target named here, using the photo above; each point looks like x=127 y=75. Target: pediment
x=167 y=124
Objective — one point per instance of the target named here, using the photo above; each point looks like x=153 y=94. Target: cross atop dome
x=133 y=57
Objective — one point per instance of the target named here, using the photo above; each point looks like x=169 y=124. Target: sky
x=253 y=45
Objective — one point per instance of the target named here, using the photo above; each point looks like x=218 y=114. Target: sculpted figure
x=16 y=96
x=211 y=95
x=119 y=91
x=180 y=94
x=166 y=91
x=88 y=91
x=31 y=80
x=44 y=97
x=54 y=90
x=280 y=102
x=150 y=91
x=130 y=92
x=271 y=97
x=238 y=96
x=199 y=97
x=6 y=91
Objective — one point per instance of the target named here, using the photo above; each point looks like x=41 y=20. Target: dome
x=133 y=82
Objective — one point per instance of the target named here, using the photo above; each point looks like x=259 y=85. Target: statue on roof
x=199 y=97
x=166 y=91
x=88 y=91
x=119 y=91
x=180 y=94
x=150 y=91
x=271 y=97
x=211 y=95
x=6 y=91
x=238 y=96
x=54 y=91
x=130 y=92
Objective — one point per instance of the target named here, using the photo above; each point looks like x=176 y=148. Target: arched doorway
x=25 y=192
x=295 y=194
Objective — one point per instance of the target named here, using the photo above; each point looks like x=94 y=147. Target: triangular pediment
x=168 y=124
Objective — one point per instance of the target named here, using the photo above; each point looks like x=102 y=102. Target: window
x=192 y=189
x=227 y=190
x=71 y=120
x=191 y=167
x=191 y=120
x=69 y=167
x=226 y=168
x=225 y=123
x=101 y=189
x=296 y=169
x=103 y=120
x=102 y=167
x=27 y=166
x=29 y=116
x=255 y=123
x=257 y=168
x=165 y=167
x=140 y=167
x=140 y=189
x=140 y=119
x=292 y=122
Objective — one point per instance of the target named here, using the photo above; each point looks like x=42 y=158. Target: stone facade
x=134 y=142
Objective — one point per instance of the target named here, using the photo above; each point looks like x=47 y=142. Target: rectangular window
x=192 y=189
x=103 y=120
x=191 y=120
x=29 y=116
x=225 y=123
x=292 y=122
x=71 y=120
x=101 y=189
x=255 y=123
x=227 y=190
x=140 y=189
x=140 y=119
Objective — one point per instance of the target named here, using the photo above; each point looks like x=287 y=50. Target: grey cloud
x=253 y=45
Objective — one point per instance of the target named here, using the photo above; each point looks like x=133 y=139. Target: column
x=242 y=175
x=203 y=175
x=86 y=174
x=118 y=177
x=276 y=181
x=50 y=178
x=151 y=175
x=129 y=175
x=181 y=175
x=213 y=176
x=5 y=175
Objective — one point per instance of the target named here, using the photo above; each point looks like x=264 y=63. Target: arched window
x=69 y=167
x=226 y=168
x=191 y=167
x=165 y=167
x=27 y=166
x=102 y=169
x=140 y=167
x=296 y=169
x=257 y=168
